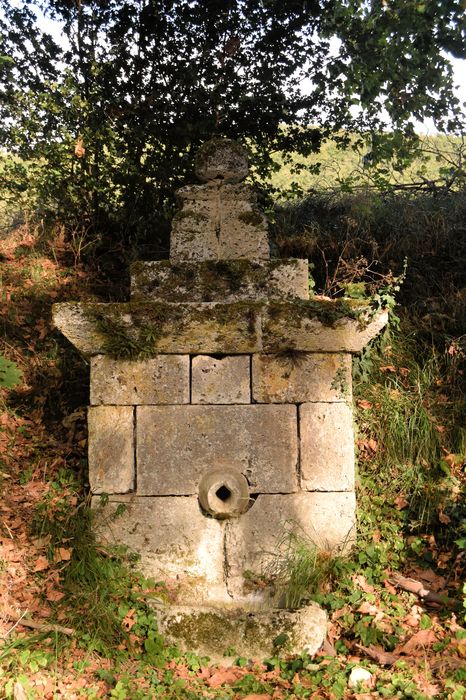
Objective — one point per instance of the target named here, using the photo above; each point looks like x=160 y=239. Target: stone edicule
x=221 y=415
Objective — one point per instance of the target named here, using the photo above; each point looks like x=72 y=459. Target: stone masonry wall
x=282 y=421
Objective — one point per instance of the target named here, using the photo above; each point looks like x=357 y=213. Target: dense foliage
x=109 y=119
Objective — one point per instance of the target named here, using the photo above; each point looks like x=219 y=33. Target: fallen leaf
x=362 y=403
x=388 y=368
x=390 y=588
x=54 y=596
x=41 y=564
x=62 y=554
x=417 y=643
x=254 y=696
x=360 y=581
x=327 y=649
x=367 y=608
x=443 y=518
x=223 y=676
x=400 y=502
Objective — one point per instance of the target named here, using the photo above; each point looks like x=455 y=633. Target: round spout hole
x=223 y=493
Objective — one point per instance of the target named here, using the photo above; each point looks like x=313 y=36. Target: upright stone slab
x=221 y=380
x=176 y=445
x=221 y=427
x=161 y=380
x=111 y=449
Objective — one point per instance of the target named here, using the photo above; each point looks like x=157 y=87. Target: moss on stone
x=253 y=218
x=212 y=279
x=325 y=311
x=220 y=630
x=134 y=330
x=137 y=339
x=195 y=216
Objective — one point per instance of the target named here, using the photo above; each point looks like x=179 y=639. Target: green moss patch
x=203 y=281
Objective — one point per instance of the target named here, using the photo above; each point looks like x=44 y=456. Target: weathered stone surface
x=320 y=325
x=221 y=380
x=228 y=281
x=221 y=159
x=300 y=377
x=290 y=279
x=327 y=447
x=177 y=543
x=136 y=329
x=126 y=330
x=243 y=232
x=161 y=380
x=257 y=540
x=176 y=445
x=111 y=448
x=211 y=631
x=218 y=223
x=194 y=234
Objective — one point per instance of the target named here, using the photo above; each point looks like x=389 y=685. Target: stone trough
x=221 y=417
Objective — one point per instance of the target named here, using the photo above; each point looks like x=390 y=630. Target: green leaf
x=280 y=640
x=10 y=374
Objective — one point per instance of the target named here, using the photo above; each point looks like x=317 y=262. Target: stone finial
x=221 y=159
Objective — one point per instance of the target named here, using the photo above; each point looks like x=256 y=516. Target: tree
x=115 y=114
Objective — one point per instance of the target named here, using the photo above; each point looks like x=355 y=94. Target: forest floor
x=74 y=618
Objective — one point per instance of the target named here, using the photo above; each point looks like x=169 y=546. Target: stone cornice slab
x=144 y=329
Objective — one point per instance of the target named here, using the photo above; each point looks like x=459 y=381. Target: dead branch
x=19 y=618
x=427 y=596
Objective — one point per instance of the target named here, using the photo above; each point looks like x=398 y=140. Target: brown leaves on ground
x=417 y=644
x=225 y=676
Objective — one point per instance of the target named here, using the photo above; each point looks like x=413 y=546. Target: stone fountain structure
x=221 y=416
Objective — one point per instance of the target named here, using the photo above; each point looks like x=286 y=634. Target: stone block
x=327 y=447
x=218 y=222
x=258 y=541
x=226 y=280
x=211 y=631
x=138 y=329
x=176 y=445
x=243 y=231
x=320 y=325
x=111 y=448
x=194 y=233
x=160 y=380
x=289 y=279
x=221 y=380
x=221 y=159
x=301 y=376
x=177 y=543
